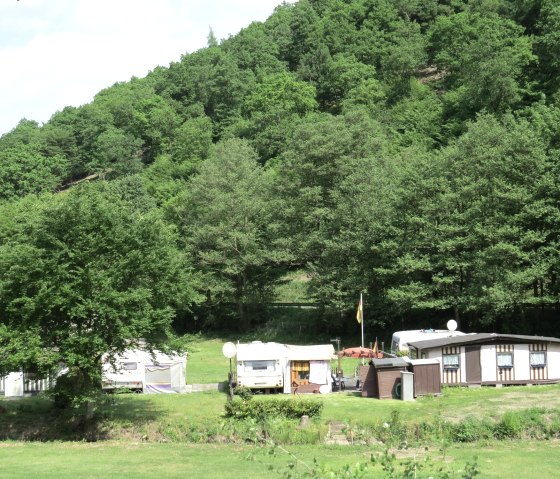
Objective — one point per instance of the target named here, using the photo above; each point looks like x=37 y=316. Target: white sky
x=57 y=53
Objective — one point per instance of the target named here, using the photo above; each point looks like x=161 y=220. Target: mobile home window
x=537 y=359
x=130 y=366
x=504 y=360
x=451 y=361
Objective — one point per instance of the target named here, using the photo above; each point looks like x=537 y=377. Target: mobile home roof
x=481 y=338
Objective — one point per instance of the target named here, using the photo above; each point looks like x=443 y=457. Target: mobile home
x=24 y=383
x=493 y=359
x=261 y=365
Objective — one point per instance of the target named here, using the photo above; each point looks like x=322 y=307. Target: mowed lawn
x=144 y=460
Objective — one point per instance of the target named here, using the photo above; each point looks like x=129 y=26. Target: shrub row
x=535 y=423
x=263 y=409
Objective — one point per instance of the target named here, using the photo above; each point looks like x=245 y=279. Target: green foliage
x=24 y=170
x=227 y=218
x=263 y=409
x=87 y=273
x=410 y=152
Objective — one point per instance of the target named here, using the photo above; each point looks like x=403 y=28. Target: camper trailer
x=275 y=367
x=144 y=372
x=261 y=365
x=400 y=340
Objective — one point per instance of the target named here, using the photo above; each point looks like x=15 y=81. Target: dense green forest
x=405 y=149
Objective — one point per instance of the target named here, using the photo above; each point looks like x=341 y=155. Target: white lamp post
x=229 y=350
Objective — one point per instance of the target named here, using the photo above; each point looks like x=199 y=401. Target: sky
x=57 y=53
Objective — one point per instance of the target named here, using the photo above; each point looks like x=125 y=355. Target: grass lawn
x=145 y=460
x=169 y=416
x=206 y=363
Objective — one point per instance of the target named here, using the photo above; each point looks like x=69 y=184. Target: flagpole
x=362 y=322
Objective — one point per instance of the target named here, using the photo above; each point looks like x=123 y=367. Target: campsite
x=189 y=430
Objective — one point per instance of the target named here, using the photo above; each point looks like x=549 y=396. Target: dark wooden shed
x=427 y=377
x=382 y=378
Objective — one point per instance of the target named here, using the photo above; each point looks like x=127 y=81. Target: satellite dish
x=452 y=325
x=229 y=350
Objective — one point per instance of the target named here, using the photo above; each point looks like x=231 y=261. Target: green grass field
x=108 y=460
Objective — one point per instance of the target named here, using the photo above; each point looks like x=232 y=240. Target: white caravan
x=140 y=371
x=400 y=340
x=277 y=367
x=261 y=365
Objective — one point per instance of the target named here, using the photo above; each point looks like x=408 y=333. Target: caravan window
x=260 y=365
x=300 y=370
x=130 y=366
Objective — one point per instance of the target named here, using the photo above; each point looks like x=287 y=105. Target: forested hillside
x=405 y=149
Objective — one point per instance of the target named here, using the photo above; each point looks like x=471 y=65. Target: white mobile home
x=140 y=371
x=401 y=339
x=23 y=383
x=493 y=359
x=283 y=367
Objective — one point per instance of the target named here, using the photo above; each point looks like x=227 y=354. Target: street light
x=229 y=350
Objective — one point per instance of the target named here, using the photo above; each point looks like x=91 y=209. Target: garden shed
x=383 y=378
x=427 y=377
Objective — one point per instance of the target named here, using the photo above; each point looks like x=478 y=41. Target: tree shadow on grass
x=36 y=419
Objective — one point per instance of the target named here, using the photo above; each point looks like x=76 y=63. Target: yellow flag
x=360 y=313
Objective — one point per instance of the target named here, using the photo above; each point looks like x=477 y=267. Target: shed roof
x=389 y=363
x=481 y=338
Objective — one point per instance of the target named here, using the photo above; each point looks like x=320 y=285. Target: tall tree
x=226 y=218
x=84 y=274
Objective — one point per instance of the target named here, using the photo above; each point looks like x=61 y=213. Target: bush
x=260 y=410
x=470 y=430
x=509 y=427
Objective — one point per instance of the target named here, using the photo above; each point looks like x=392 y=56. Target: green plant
x=262 y=409
x=469 y=430
x=509 y=427
x=243 y=392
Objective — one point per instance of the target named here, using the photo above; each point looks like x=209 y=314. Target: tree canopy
x=408 y=150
